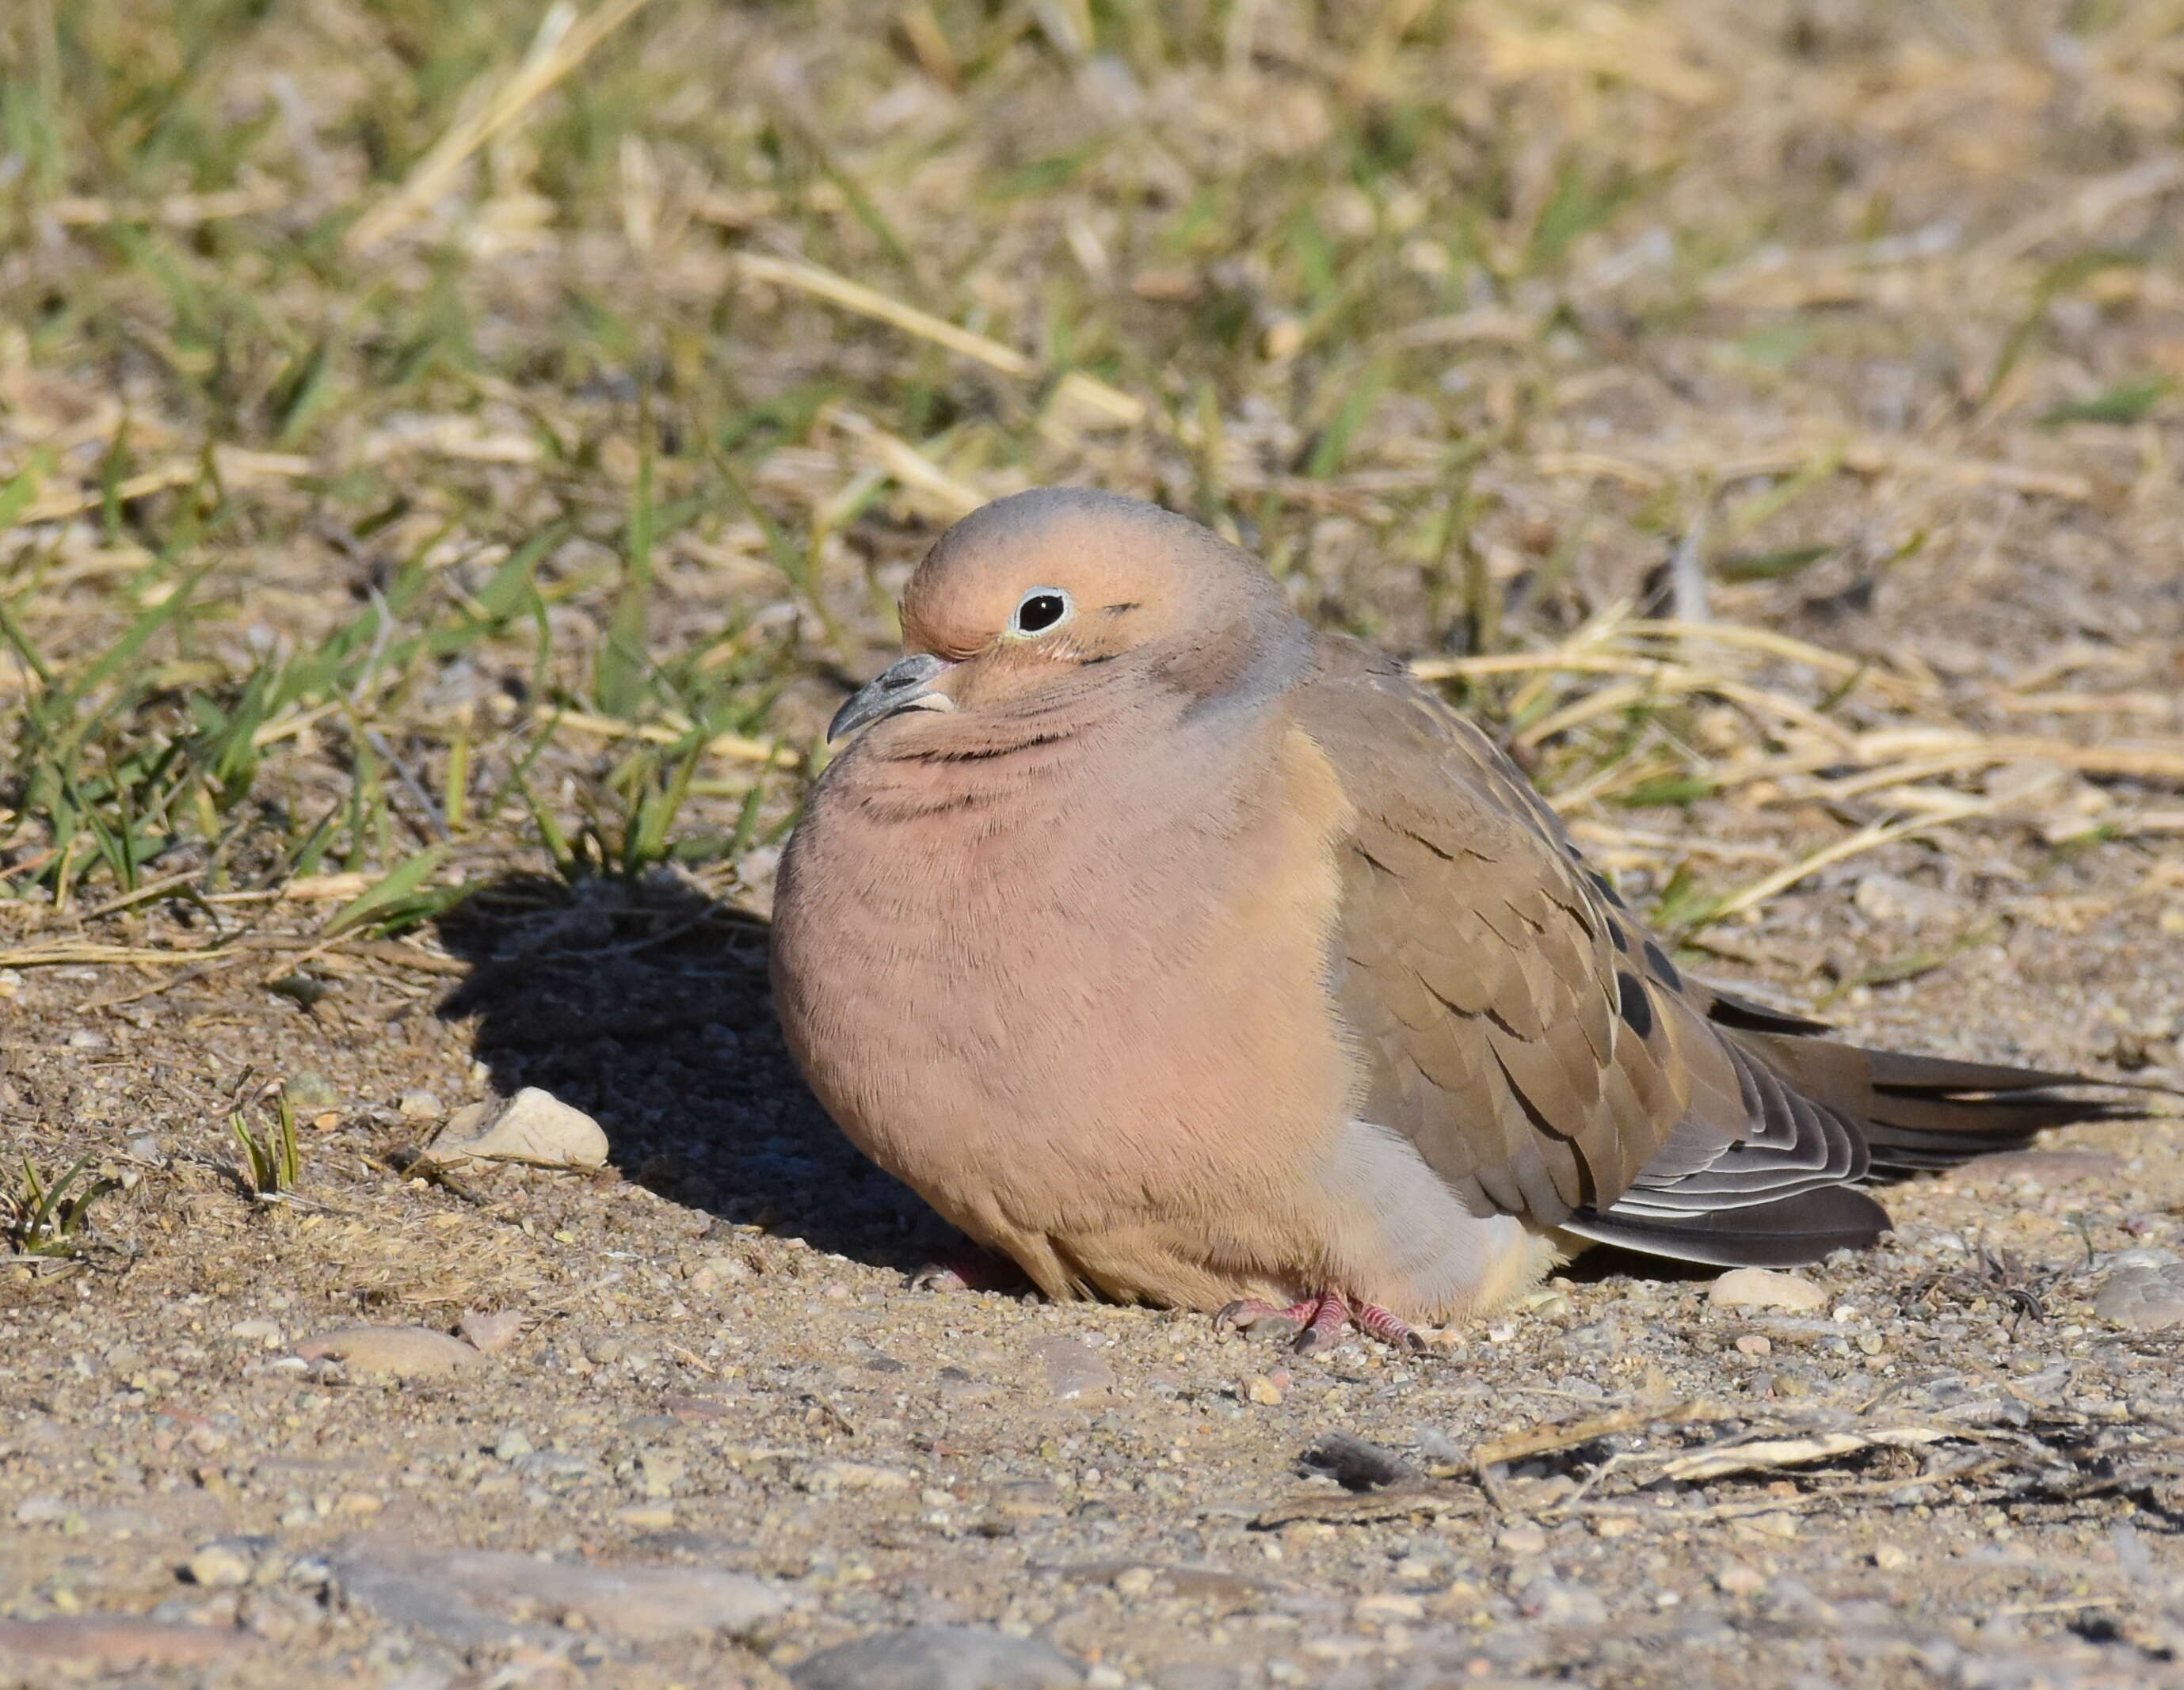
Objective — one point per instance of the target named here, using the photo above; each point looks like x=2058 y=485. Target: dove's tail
x=1927 y=1112
x=1826 y=1117
x=1932 y=1113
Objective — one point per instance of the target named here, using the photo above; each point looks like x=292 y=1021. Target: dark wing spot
x=1663 y=969
x=1608 y=890
x=1615 y=937
x=1637 y=1009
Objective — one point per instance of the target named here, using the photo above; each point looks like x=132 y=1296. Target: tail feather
x=1923 y=1113
x=1724 y=1202
x=1786 y=1233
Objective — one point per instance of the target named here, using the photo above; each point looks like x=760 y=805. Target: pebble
x=1558 y=1601
x=490 y=1334
x=420 y=1106
x=116 y=1642
x=1071 y=1369
x=513 y=1443
x=258 y=1332
x=1260 y=1389
x=711 y=1274
x=88 y=1038
x=855 y=1475
x=1523 y=1540
x=662 y=1471
x=463 y=1596
x=1751 y=1288
x=220 y=1565
x=533 y=1126
x=2143 y=1299
x=2141 y=1256
x=1755 y=1343
x=40 y=1511
x=939 y=1658
x=405 y=1351
x=1737 y=1579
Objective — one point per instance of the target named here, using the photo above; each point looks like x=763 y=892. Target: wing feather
x=1515 y=1023
x=1547 y=1058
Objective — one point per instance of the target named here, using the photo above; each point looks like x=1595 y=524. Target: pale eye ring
x=1041 y=608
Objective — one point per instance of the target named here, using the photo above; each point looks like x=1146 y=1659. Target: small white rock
x=219 y=1566
x=1523 y=1540
x=533 y=1126
x=2143 y=1299
x=854 y=1476
x=258 y=1332
x=420 y=1106
x=406 y=1352
x=490 y=1334
x=1750 y=1287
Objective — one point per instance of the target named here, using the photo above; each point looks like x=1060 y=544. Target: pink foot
x=970 y=1269
x=1318 y=1322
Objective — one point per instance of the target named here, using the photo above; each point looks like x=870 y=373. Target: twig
x=1866 y=838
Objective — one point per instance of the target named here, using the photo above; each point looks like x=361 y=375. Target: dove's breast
x=1082 y=1006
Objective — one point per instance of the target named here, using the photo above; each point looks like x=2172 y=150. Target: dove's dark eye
x=1039 y=609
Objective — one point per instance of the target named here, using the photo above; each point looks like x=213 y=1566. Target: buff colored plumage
x=1187 y=956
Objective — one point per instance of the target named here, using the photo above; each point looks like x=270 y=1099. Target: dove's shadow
x=645 y=1005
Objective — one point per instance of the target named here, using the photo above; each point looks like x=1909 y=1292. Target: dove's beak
x=904 y=685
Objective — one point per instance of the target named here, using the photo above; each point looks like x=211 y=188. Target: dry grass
x=433 y=439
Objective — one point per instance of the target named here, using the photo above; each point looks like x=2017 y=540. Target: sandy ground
x=721 y=1370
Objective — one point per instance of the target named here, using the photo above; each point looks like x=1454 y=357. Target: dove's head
x=1049 y=604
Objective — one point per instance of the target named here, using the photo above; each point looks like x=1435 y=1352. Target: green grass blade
x=399 y=882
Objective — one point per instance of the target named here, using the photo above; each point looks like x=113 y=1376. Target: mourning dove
x=1191 y=957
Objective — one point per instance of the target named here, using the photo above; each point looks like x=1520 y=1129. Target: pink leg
x=1390 y=1329
x=1318 y=1322
x=1326 y=1327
